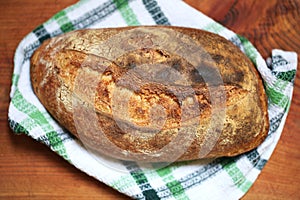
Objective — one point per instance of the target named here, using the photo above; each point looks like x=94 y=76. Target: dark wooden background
x=29 y=170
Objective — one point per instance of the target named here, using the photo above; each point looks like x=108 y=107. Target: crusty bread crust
x=112 y=104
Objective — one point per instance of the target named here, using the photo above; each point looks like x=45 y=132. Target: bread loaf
x=152 y=93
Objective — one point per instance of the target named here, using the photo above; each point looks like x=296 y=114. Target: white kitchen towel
x=220 y=178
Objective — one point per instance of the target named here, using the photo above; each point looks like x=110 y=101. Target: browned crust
x=57 y=64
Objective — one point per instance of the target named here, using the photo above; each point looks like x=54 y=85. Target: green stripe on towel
x=173 y=185
x=237 y=176
x=126 y=12
x=63 y=21
x=33 y=112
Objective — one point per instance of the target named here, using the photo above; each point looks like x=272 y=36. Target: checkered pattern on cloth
x=214 y=179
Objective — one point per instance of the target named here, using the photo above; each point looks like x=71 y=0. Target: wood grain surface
x=29 y=170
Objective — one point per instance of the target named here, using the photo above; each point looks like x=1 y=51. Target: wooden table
x=29 y=170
